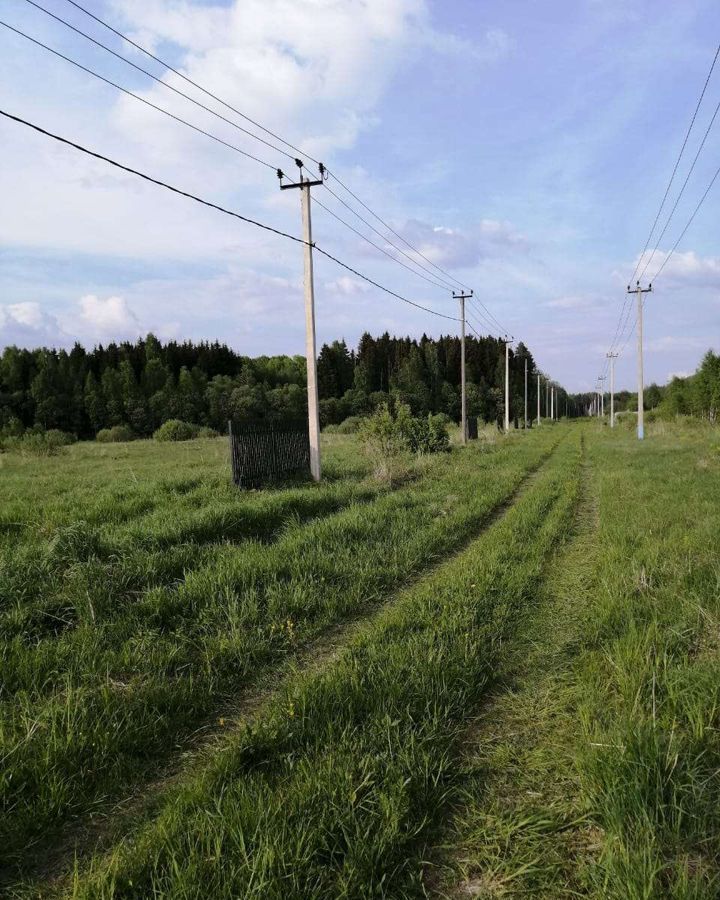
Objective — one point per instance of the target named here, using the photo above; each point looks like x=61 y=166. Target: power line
x=487 y=314
x=149 y=74
x=689 y=223
x=272 y=134
x=677 y=163
x=485 y=322
x=682 y=189
x=138 y=97
x=376 y=246
x=397 y=235
x=221 y=209
x=188 y=80
x=446 y=285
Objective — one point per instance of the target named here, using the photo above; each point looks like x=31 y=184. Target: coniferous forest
x=143 y=384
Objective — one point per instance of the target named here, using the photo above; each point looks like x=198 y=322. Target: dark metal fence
x=265 y=451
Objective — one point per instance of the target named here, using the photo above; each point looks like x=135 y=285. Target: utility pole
x=547 y=399
x=602 y=397
x=552 y=403
x=538 y=397
x=310 y=343
x=462 y=297
x=641 y=387
x=526 y=393
x=507 y=383
x=612 y=357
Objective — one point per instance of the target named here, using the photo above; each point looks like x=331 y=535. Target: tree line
x=696 y=395
x=144 y=384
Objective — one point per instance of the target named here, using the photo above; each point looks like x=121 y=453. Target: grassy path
x=110 y=824
x=519 y=828
x=331 y=789
x=218 y=633
x=595 y=769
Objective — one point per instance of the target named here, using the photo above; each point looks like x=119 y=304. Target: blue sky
x=523 y=146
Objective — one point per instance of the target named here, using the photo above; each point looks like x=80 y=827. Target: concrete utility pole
x=552 y=403
x=538 y=397
x=612 y=357
x=507 y=383
x=602 y=397
x=462 y=297
x=547 y=399
x=526 y=393
x=641 y=387
x=310 y=342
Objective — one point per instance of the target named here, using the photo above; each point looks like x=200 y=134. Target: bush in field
x=351 y=425
x=116 y=435
x=176 y=430
x=390 y=435
x=41 y=443
x=206 y=432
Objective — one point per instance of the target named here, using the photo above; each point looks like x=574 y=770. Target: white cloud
x=28 y=325
x=463 y=248
x=347 y=286
x=687 y=267
x=108 y=318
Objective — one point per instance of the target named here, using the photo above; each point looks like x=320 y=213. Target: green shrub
x=331 y=429
x=41 y=443
x=176 y=430
x=115 y=435
x=351 y=425
x=206 y=432
x=393 y=433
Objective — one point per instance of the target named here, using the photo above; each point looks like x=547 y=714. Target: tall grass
x=92 y=703
x=330 y=792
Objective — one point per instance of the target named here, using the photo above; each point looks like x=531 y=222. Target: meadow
x=495 y=677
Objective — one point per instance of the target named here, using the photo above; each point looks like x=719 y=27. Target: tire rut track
x=111 y=823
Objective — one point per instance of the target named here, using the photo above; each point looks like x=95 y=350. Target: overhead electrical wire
x=219 y=208
x=626 y=309
x=677 y=163
x=254 y=122
x=159 y=80
x=382 y=250
x=682 y=189
x=446 y=284
x=488 y=314
x=130 y=93
x=188 y=80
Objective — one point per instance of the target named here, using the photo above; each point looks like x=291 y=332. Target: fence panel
x=265 y=451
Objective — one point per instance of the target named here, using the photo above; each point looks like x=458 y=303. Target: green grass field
x=499 y=677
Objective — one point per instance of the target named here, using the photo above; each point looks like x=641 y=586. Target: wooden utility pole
x=641 y=386
x=507 y=383
x=462 y=297
x=612 y=357
x=310 y=342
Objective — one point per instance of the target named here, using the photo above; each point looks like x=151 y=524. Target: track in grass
x=445 y=531
x=328 y=722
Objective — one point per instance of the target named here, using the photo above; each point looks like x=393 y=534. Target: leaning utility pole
x=462 y=297
x=641 y=398
x=507 y=383
x=310 y=343
x=538 y=398
x=612 y=357
x=526 y=393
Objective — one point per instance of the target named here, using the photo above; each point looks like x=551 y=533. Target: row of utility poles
x=304 y=185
